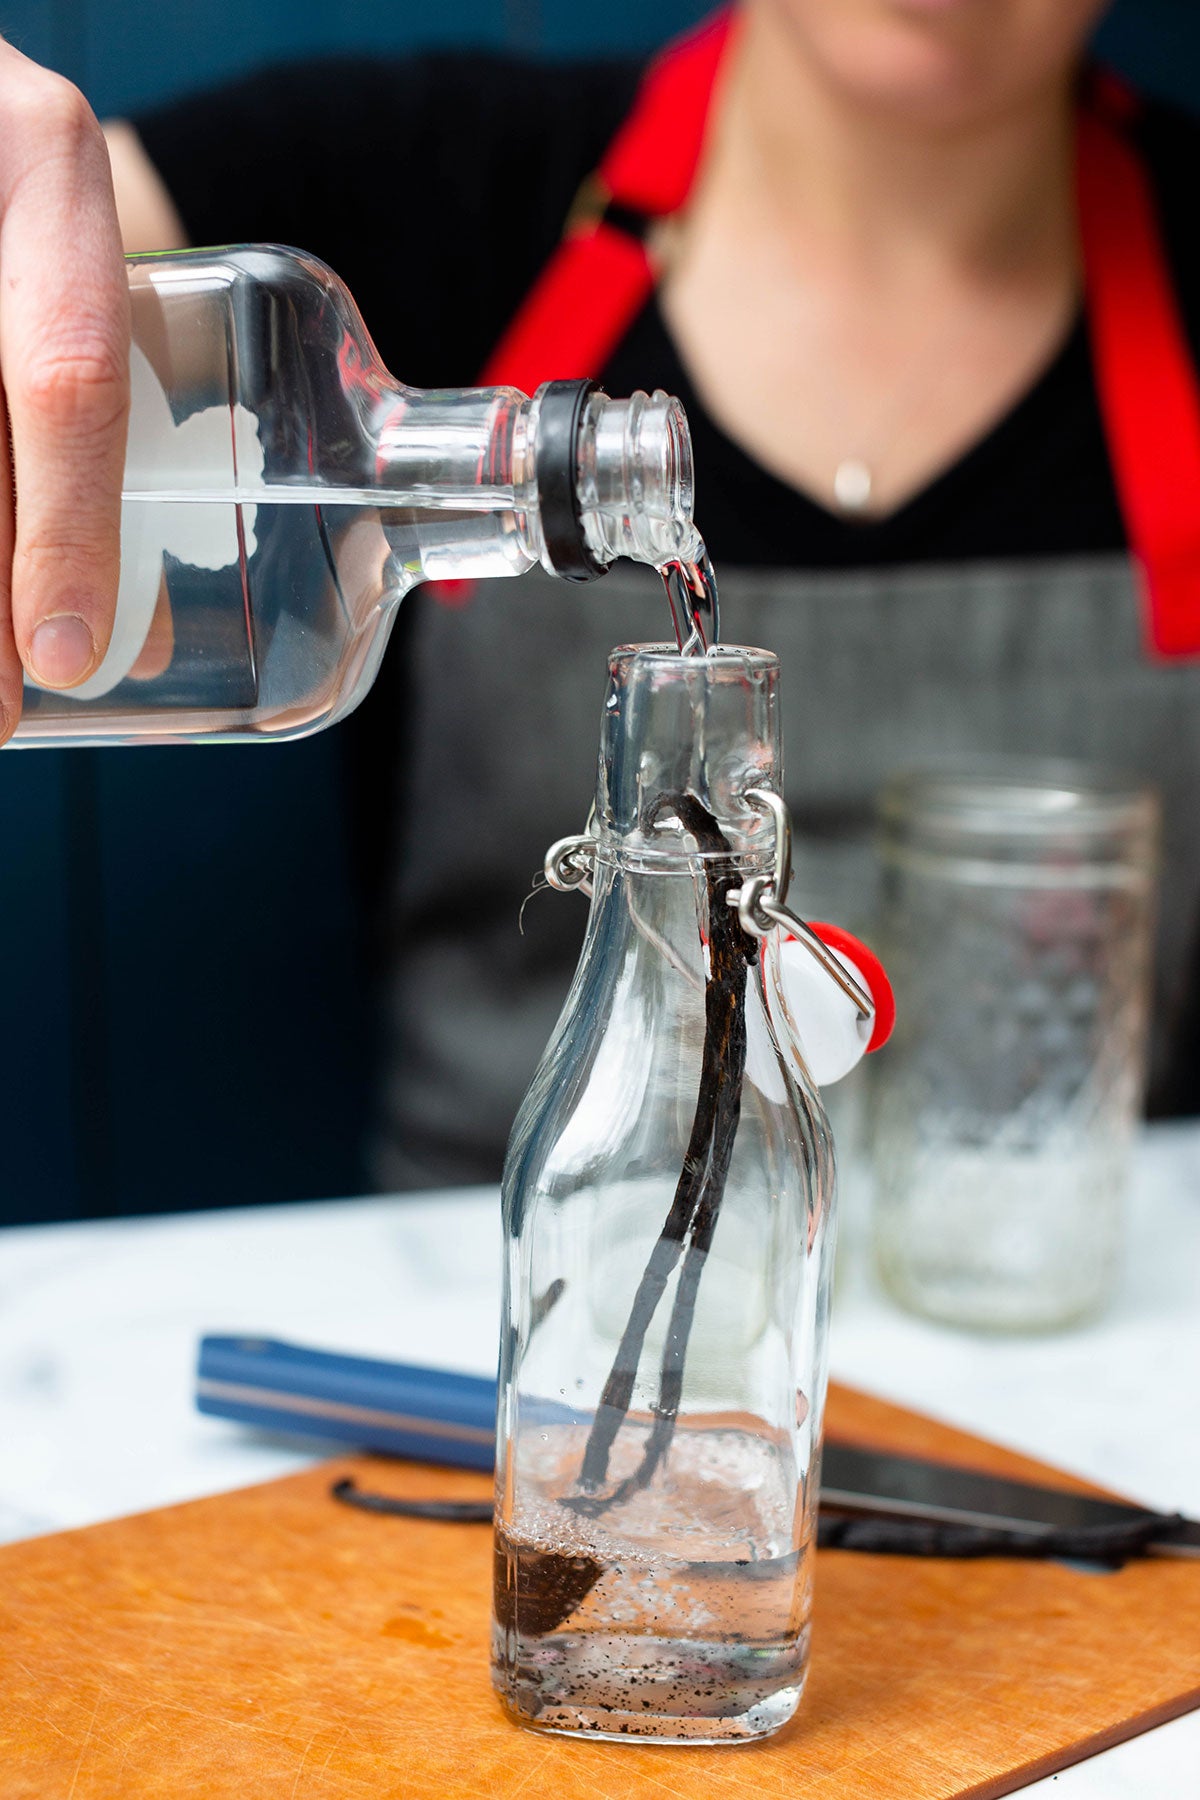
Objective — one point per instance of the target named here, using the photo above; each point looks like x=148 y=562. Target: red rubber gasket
x=873 y=973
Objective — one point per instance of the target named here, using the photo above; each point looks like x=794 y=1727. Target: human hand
x=64 y=361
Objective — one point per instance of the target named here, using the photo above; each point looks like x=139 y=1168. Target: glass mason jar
x=1017 y=916
x=667 y=1210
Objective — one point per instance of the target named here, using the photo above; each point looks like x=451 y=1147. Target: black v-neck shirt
x=437 y=187
x=1038 y=483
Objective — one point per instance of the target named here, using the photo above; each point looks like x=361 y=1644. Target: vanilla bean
x=696 y=1206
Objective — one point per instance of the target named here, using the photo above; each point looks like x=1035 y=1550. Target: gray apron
x=882 y=669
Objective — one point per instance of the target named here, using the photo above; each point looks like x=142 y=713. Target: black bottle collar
x=560 y=414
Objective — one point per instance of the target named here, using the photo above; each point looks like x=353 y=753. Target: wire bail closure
x=760 y=901
x=570 y=861
x=761 y=907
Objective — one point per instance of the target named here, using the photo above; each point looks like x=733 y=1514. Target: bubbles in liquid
x=682 y=1614
x=692 y=596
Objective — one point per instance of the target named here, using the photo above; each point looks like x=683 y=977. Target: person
x=879 y=273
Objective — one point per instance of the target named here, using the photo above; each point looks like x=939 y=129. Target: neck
x=888 y=192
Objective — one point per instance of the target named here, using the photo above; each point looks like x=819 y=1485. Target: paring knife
x=437 y=1415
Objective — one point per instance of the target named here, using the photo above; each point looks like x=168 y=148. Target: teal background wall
x=126 y=52
x=182 y=1011
x=122 y=52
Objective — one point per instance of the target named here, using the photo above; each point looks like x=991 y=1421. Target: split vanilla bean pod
x=687 y=1232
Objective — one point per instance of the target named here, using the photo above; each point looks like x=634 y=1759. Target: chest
x=901 y=377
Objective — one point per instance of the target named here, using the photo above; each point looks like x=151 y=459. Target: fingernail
x=62 y=652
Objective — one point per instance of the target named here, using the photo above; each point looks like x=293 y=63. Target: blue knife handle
x=431 y=1415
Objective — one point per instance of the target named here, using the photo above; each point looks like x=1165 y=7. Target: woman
x=848 y=234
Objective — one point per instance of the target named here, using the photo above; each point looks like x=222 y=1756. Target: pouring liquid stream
x=691 y=589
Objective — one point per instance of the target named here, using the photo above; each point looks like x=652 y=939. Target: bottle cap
x=866 y=967
x=561 y=407
x=817 y=1018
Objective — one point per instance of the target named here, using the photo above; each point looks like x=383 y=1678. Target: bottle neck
x=685 y=742
x=633 y=472
x=486 y=481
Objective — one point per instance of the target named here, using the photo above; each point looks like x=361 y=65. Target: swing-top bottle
x=668 y=1220
x=282 y=492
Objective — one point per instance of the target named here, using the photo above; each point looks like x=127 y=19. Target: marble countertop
x=99 y=1324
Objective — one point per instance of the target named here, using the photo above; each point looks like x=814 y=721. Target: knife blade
x=440 y=1415
x=877 y=1484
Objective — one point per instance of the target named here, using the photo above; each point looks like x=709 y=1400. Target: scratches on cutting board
x=87 y=1738
x=303 y=1759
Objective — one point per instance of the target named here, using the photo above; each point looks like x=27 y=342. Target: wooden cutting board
x=270 y=1644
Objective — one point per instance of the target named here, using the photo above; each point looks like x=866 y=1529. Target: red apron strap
x=1146 y=380
x=600 y=277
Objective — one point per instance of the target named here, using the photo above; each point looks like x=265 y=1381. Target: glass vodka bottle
x=282 y=492
x=667 y=1214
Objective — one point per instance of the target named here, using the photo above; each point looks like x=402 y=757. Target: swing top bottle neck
x=705 y=726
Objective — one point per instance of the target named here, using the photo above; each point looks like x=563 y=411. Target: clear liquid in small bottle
x=679 y=1613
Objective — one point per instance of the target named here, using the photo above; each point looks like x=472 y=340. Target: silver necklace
x=855 y=475
x=852 y=484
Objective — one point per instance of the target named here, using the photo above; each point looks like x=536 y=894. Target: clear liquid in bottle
x=680 y=1603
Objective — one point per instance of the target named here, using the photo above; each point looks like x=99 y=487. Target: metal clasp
x=571 y=861
x=760 y=902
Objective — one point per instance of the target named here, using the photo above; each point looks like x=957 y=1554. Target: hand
x=64 y=360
